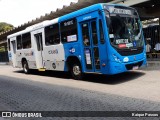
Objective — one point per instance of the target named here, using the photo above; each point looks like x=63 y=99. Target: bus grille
x=130 y=52
x=130 y=66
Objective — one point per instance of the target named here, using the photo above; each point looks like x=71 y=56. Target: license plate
x=135 y=67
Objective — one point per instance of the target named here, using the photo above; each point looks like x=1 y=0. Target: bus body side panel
x=54 y=57
x=28 y=55
x=72 y=50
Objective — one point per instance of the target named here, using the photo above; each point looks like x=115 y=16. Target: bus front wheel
x=25 y=67
x=76 y=71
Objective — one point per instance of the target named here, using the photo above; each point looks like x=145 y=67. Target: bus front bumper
x=115 y=67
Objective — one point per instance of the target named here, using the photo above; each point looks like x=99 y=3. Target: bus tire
x=76 y=71
x=25 y=67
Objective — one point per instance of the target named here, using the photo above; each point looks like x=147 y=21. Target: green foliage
x=5 y=27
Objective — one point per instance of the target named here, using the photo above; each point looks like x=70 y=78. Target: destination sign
x=122 y=11
x=117 y=10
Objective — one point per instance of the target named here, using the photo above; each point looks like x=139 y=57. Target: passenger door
x=38 y=37
x=90 y=40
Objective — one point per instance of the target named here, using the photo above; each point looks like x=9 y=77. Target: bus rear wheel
x=25 y=67
x=76 y=71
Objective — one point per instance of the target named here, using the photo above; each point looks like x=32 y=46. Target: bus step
x=41 y=69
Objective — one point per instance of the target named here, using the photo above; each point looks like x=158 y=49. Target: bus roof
x=81 y=12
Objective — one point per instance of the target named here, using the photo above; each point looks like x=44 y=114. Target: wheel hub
x=25 y=67
x=76 y=70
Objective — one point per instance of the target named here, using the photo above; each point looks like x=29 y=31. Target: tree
x=5 y=27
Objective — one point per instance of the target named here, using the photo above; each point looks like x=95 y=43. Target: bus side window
x=101 y=32
x=94 y=32
x=69 y=31
x=85 y=33
x=52 y=35
x=13 y=43
x=19 y=42
x=26 y=40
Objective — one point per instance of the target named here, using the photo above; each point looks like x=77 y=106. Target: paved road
x=24 y=95
x=31 y=94
x=141 y=84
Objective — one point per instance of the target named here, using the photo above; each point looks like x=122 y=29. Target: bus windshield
x=125 y=32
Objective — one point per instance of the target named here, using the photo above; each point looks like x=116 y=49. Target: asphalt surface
x=25 y=95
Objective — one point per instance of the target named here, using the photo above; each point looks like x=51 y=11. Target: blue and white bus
x=102 y=38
